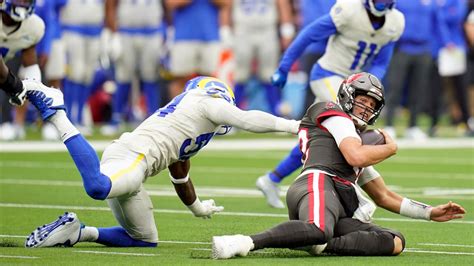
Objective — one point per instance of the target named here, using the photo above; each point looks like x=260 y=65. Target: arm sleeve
x=340 y=128
x=320 y=29
x=221 y=112
x=382 y=60
x=368 y=174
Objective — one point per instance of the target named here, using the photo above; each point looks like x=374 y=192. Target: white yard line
x=186 y=212
x=411 y=250
x=115 y=253
x=17 y=257
x=242 y=144
x=445 y=245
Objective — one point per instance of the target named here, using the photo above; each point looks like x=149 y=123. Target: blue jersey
x=453 y=13
x=310 y=11
x=198 y=21
x=44 y=9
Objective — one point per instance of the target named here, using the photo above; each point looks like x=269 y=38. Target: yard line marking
x=17 y=257
x=183 y=242
x=13 y=236
x=437 y=252
x=446 y=245
x=232 y=145
x=186 y=212
x=115 y=253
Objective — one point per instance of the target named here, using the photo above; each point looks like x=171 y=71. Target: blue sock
x=96 y=184
x=120 y=100
x=100 y=77
x=118 y=237
x=239 y=93
x=273 y=97
x=152 y=94
x=288 y=165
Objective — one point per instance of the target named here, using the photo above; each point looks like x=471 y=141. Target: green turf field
x=36 y=187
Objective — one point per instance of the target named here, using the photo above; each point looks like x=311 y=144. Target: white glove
x=205 y=208
x=366 y=209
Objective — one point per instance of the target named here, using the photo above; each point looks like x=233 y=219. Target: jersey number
x=190 y=147
x=362 y=46
x=171 y=106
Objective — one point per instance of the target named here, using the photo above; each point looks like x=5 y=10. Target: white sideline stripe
x=186 y=212
x=437 y=252
x=115 y=253
x=248 y=144
x=446 y=245
x=415 y=250
x=17 y=257
x=163 y=190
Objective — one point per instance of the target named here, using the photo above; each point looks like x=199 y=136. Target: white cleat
x=226 y=247
x=271 y=191
x=64 y=232
x=47 y=100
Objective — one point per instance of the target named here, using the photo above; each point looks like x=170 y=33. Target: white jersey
x=83 y=13
x=255 y=13
x=13 y=40
x=356 y=41
x=187 y=124
x=139 y=13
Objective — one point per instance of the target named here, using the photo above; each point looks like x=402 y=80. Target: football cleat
x=271 y=191
x=226 y=247
x=316 y=250
x=47 y=100
x=64 y=232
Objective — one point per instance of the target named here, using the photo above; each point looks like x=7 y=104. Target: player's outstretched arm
x=223 y=113
x=179 y=175
x=394 y=202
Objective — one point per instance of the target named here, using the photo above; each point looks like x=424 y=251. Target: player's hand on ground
x=208 y=209
x=278 y=78
x=447 y=212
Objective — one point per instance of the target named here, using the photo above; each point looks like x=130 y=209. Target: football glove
x=278 y=78
x=18 y=98
x=205 y=208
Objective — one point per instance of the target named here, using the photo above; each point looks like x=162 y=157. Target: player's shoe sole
x=271 y=192
x=47 y=100
x=65 y=232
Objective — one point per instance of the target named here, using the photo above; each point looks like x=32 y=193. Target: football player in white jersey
x=82 y=23
x=134 y=37
x=167 y=139
x=362 y=35
x=20 y=31
x=260 y=29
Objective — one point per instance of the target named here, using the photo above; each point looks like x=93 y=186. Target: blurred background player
x=20 y=31
x=167 y=139
x=133 y=35
x=51 y=53
x=260 y=30
x=362 y=36
x=454 y=13
x=196 y=45
x=411 y=64
x=82 y=23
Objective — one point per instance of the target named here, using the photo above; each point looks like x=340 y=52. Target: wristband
x=179 y=181
x=287 y=30
x=415 y=209
x=196 y=207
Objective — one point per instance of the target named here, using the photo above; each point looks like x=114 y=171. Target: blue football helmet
x=379 y=8
x=18 y=10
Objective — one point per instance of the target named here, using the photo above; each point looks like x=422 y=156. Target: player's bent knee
x=97 y=193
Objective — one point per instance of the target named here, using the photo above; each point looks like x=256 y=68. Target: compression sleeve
x=221 y=112
x=320 y=29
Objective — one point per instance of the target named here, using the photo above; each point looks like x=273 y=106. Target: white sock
x=89 y=234
x=65 y=128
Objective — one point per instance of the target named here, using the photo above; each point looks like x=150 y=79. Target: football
x=372 y=137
